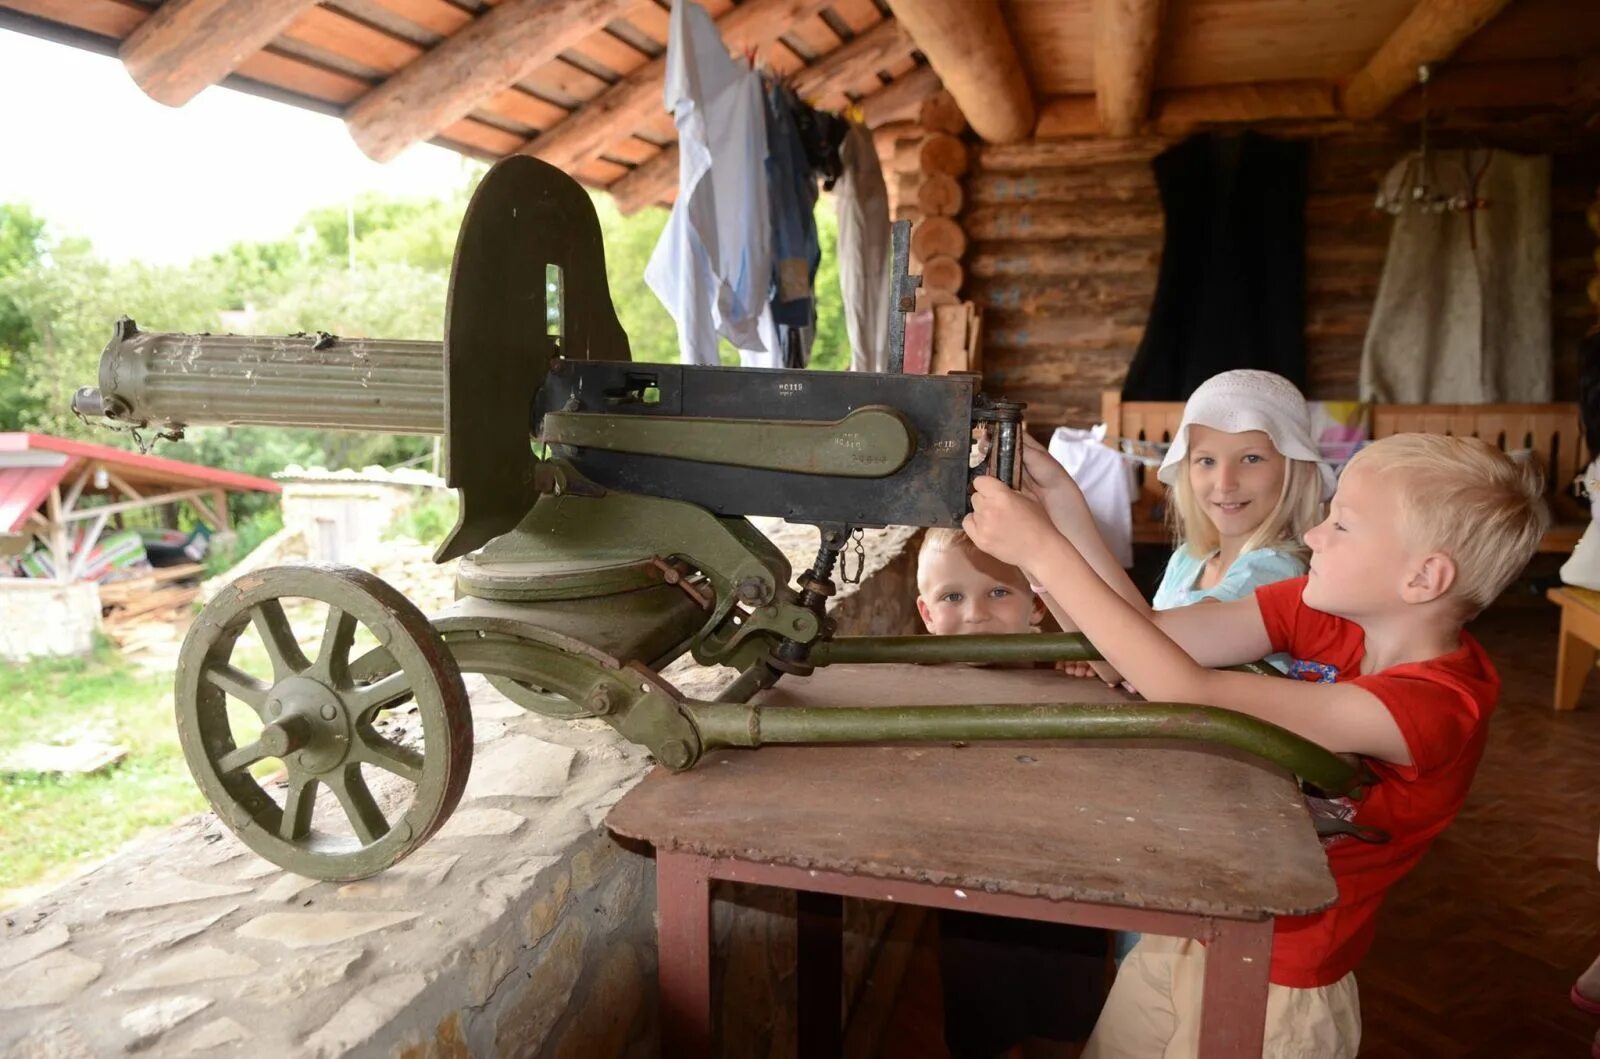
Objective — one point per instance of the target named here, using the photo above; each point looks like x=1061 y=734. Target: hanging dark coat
x=1231 y=290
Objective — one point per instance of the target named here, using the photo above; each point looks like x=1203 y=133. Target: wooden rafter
x=187 y=45
x=494 y=51
x=1126 y=35
x=1429 y=34
x=130 y=505
x=628 y=104
x=648 y=183
x=862 y=57
x=900 y=98
x=969 y=46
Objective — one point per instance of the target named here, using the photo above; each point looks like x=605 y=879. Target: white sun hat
x=1236 y=401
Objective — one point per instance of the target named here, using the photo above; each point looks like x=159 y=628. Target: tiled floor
x=1476 y=948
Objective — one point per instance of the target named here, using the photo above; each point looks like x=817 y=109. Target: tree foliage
x=59 y=299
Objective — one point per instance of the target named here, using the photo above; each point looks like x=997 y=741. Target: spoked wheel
x=319 y=773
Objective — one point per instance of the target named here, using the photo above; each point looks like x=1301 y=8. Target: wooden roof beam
x=1431 y=33
x=626 y=105
x=187 y=45
x=649 y=183
x=901 y=98
x=1126 y=36
x=969 y=46
x=493 y=51
x=863 y=56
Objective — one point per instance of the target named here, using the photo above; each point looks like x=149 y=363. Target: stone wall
x=47 y=618
x=520 y=929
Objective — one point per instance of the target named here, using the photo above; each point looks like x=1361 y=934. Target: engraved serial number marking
x=788 y=389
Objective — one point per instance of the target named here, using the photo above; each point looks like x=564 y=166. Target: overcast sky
x=96 y=157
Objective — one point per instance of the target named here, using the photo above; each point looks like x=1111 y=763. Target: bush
x=248 y=533
x=426 y=519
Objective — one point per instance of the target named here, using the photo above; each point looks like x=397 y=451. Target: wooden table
x=1580 y=641
x=1184 y=842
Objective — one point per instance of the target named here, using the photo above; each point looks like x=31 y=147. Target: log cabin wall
x=1065 y=240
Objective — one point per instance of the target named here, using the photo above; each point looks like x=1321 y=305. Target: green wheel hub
x=385 y=794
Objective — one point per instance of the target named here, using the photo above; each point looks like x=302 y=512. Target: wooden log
x=969 y=46
x=907 y=211
x=1079 y=295
x=186 y=45
x=493 y=51
x=1176 y=113
x=900 y=99
x=1063 y=117
x=907 y=156
x=874 y=50
x=941 y=113
x=648 y=183
x=932 y=237
x=1430 y=33
x=885 y=137
x=943 y=273
x=1126 y=34
x=626 y=105
x=942 y=153
x=904 y=187
x=1054 y=221
x=1065 y=154
x=1496 y=86
x=1104 y=258
x=939 y=195
x=1120 y=182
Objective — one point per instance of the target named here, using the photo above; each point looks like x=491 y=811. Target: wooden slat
x=900 y=98
x=648 y=182
x=849 y=63
x=493 y=51
x=815 y=36
x=859 y=15
x=109 y=18
x=438 y=16
x=486 y=138
x=297 y=75
x=561 y=80
x=632 y=150
x=367 y=45
x=519 y=106
x=599 y=172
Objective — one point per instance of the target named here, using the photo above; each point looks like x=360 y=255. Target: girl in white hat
x=1245 y=482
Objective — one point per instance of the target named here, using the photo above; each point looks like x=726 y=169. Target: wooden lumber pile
x=150 y=606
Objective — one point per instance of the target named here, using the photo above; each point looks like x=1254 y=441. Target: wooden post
x=969 y=46
x=60 y=549
x=1126 y=33
x=186 y=45
x=1430 y=33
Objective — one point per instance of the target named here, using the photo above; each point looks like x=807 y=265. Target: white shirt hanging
x=712 y=268
x=1107 y=483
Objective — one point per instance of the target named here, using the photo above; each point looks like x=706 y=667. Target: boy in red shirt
x=1423 y=532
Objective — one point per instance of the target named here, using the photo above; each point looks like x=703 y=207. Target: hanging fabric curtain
x=712 y=268
x=1462 y=314
x=1231 y=289
x=863 y=204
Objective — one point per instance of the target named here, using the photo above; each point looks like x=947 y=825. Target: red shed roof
x=26 y=483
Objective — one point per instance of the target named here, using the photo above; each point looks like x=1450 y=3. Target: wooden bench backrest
x=1552 y=431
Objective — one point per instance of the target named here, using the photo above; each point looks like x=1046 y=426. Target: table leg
x=1574 y=659
x=683 y=901
x=819 y=974
x=1233 y=1006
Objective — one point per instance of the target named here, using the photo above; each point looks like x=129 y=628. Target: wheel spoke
x=376 y=663
x=373 y=697
x=359 y=804
x=241 y=685
x=333 y=654
x=242 y=757
x=278 y=638
x=297 y=809
x=390 y=756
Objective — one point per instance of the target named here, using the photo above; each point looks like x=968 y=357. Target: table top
x=1181 y=829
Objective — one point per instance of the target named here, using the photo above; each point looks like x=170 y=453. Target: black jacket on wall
x=1231 y=291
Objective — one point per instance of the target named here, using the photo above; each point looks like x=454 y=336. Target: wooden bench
x=1550 y=430
x=1580 y=641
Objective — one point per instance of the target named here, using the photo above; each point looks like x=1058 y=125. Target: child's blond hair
x=1299 y=508
x=1469 y=500
x=943 y=538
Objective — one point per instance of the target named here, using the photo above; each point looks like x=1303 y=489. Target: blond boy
x=962 y=590
x=1423 y=532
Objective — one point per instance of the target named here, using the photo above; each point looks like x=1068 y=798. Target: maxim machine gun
x=589 y=559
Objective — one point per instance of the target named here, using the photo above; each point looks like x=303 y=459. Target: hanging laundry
x=712 y=268
x=863 y=204
x=1106 y=480
x=796 y=251
x=1463 y=309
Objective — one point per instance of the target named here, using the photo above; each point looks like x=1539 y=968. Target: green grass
x=56 y=824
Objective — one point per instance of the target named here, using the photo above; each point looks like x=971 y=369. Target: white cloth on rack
x=863 y=204
x=1106 y=480
x=712 y=268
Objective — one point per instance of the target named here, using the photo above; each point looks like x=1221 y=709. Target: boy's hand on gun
x=1011 y=526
